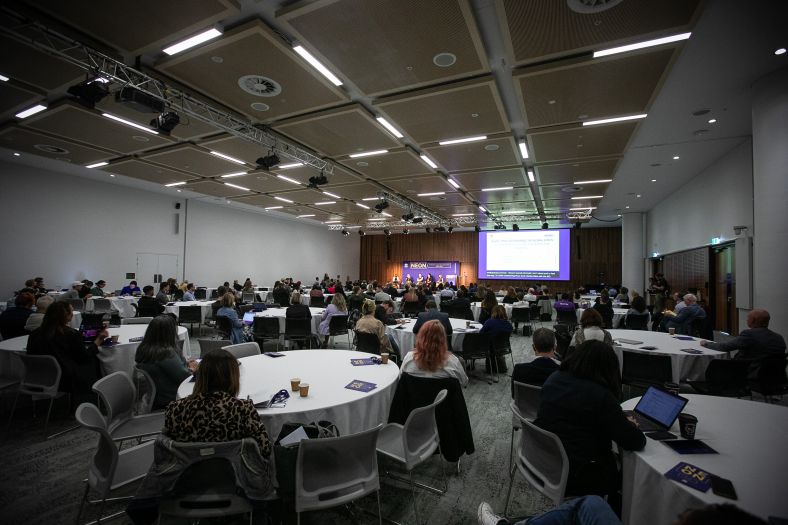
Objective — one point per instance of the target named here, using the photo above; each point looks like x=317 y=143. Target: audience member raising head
x=431 y=356
x=590 y=328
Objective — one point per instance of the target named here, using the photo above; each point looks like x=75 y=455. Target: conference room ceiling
x=506 y=70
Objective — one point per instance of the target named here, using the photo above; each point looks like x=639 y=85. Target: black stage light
x=545 y=225
x=361 y=233
x=417 y=220
x=382 y=205
x=440 y=229
x=314 y=182
x=451 y=229
x=515 y=228
x=405 y=231
x=268 y=162
x=577 y=225
x=500 y=226
x=387 y=232
x=166 y=122
x=345 y=233
x=89 y=93
x=477 y=228
x=428 y=229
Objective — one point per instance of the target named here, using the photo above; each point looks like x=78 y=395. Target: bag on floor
x=285 y=457
x=528 y=330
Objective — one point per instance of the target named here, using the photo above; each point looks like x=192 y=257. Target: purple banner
x=437 y=271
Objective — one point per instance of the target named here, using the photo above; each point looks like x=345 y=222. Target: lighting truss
x=96 y=63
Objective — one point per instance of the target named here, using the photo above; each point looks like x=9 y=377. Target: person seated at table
x=530 y=295
x=73 y=293
x=682 y=321
x=338 y=306
x=590 y=328
x=587 y=510
x=159 y=356
x=386 y=314
x=356 y=299
x=188 y=295
x=431 y=313
x=581 y=405
x=227 y=310
x=410 y=295
x=498 y=322
x=98 y=289
x=623 y=295
x=213 y=412
x=380 y=295
x=391 y=289
x=661 y=316
x=35 y=319
x=147 y=305
x=445 y=293
x=247 y=287
x=296 y=310
x=131 y=289
x=678 y=299
x=605 y=309
x=756 y=343
x=535 y=369
x=78 y=362
x=637 y=310
x=565 y=304
x=431 y=357
x=163 y=295
x=281 y=294
x=13 y=320
x=487 y=306
x=369 y=323
x=84 y=291
x=510 y=297
x=316 y=291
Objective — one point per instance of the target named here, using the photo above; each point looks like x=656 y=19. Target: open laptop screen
x=249 y=318
x=660 y=406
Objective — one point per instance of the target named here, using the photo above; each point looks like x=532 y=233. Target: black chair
x=724 y=377
x=298 y=330
x=411 y=308
x=367 y=342
x=563 y=336
x=607 y=318
x=190 y=315
x=459 y=311
x=771 y=380
x=177 y=295
x=568 y=318
x=501 y=346
x=445 y=306
x=636 y=322
x=700 y=327
x=645 y=370
x=317 y=301
x=200 y=294
x=477 y=346
x=214 y=294
x=92 y=319
x=224 y=327
x=265 y=328
x=521 y=315
x=337 y=325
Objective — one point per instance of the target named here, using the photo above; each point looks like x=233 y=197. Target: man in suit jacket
x=431 y=312
x=535 y=370
x=756 y=343
x=682 y=321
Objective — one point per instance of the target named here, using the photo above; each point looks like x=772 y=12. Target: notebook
x=658 y=409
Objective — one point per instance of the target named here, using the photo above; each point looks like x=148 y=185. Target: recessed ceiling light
x=175 y=190
x=315 y=63
x=463 y=214
x=638 y=195
x=584 y=208
x=531 y=176
x=112 y=175
x=386 y=124
x=288 y=166
x=274 y=207
x=331 y=195
x=523 y=149
x=376 y=219
x=500 y=188
x=619 y=215
x=459 y=141
x=4 y=78
x=130 y=123
x=385 y=214
x=641 y=45
x=193 y=41
x=599 y=181
x=368 y=153
x=513 y=212
x=627 y=207
x=369 y=199
x=780 y=51
x=362 y=205
x=227 y=157
x=454 y=183
x=614 y=119
x=483 y=209
x=324 y=203
x=307 y=215
x=431 y=194
x=236 y=186
x=170 y=185
x=96 y=165
x=653 y=180
x=31 y=111
x=712 y=120
x=676 y=157
x=332 y=222
x=587 y=197
x=17 y=154
x=284 y=200
x=236 y=174
x=428 y=162
x=288 y=179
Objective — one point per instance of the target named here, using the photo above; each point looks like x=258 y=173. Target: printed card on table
x=693 y=351
x=361 y=386
x=364 y=362
x=690 y=475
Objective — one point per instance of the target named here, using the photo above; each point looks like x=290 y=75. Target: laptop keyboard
x=645 y=425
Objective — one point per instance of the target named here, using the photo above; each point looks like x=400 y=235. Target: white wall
x=708 y=206
x=65 y=227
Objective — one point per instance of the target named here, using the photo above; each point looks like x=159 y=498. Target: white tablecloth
x=406 y=339
x=618 y=314
x=684 y=365
x=205 y=311
x=750 y=439
x=327 y=372
x=279 y=313
x=121 y=303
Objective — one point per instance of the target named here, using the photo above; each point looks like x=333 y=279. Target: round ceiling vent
x=140 y=138
x=588 y=7
x=571 y=189
x=492 y=147
x=444 y=59
x=259 y=86
x=48 y=148
x=362 y=164
x=260 y=106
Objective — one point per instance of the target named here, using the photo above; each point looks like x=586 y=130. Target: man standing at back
x=431 y=312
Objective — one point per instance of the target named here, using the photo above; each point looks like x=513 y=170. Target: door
x=153 y=268
x=725 y=315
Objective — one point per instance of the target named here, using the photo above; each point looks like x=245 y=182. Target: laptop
x=657 y=409
x=249 y=318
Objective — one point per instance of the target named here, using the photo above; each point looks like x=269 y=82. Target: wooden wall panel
x=688 y=270
x=598 y=258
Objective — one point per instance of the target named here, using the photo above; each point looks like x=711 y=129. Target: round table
x=749 y=437
x=618 y=314
x=205 y=307
x=327 y=372
x=683 y=365
x=406 y=339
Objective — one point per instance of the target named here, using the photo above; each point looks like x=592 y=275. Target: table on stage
x=683 y=365
x=749 y=437
x=327 y=372
x=406 y=339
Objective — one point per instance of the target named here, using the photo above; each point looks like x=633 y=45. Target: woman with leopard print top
x=213 y=412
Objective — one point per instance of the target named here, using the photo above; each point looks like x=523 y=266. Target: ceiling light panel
x=643 y=44
x=315 y=63
x=391 y=129
x=192 y=41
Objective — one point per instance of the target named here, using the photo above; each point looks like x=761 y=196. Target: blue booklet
x=365 y=362
x=361 y=386
x=691 y=476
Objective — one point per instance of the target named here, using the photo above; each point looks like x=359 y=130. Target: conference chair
x=190 y=315
x=367 y=342
x=411 y=308
x=100 y=305
x=146 y=391
x=40 y=380
x=636 y=322
x=135 y=320
x=200 y=294
x=645 y=370
x=501 y=346
x=110 y=468
x=567 y=317
x=477 y=346
x=208 y=345
x=224 y=327
x=299 y=330
x=771 y=380
x=521 y=315
x=541 y=460
x=117 y=393
x=243 y=349
x=247 y=297
x=265 y=328
x=335 y=471
x=724 y=377
x=214 y=294
x=78 y=305
x=414 y=443
x=527 y=399
x=337 y=325
x=317 y=301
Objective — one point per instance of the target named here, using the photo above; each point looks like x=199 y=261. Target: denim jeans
x=588 y=510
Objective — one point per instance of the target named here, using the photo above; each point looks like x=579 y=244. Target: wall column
x=633 y=251
x=770 y=195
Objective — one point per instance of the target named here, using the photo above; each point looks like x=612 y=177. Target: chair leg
x=82 y=503
x=380 y=512
x=298 y=518
x=49 y=411
x=413 y=497
x=511 y=451
x=509 y=492
x=16 y=398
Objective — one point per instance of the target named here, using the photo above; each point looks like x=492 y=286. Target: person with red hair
x=431 y=356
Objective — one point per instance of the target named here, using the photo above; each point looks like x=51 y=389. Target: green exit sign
x=716 y=240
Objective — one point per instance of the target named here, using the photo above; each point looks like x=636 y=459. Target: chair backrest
x=102 y=305
x=214 y=294
x=520 y=315
x=410 y=307
x=771 y=373
x=337 y=325
x=146 y=391
x=501 y=343
x=542 y=460
x=317 y=301
x=224 y=326
x=367 y=342
x=527 y=399
x=104 y=462
x=42 y=374
x=247 y=297
x=298 y=327
x=190 y=314
x=76 y=304
x=334 y=471
x=243 y=349
x=207 y=345
x=636 y=322
x=476 y=345
x=136 y=320
x=420 y=432
x=200 y=294
x=117 y=393
x=266 y=327
x=567 y=317
x=646 y=369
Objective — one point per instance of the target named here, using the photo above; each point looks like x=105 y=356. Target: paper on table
x=294 y=437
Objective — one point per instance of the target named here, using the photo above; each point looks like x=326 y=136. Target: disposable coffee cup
x=687 y=425
x=673 y=388
x=115 y=338
x=294 y=384
x=672 y=331
x=304 y=389
x=384 y=358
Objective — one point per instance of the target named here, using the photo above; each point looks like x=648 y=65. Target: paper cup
x=304 y=389
x=384 y=358
x=294 y=384
x=687 y=425
x=672 y=331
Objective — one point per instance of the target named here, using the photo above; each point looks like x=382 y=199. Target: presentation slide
x=526 y=254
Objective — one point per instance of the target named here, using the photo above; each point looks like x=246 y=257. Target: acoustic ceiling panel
x=451 y=111
x=538 y=30
x=25 y=140
x=492 y=178
x=412 y=186
x=580 y=142
x=356 y=192
x=251 y=70
x=410 y=42
x=27 y=64
x=214 y=189
x=14 y=99
x=188 y=128
x=394 y=164
x=139 y=169
x=260 y=181
x=569 y=173
x=187 y=157
x=493 y=197
x=569 y=191
x=475 y=156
